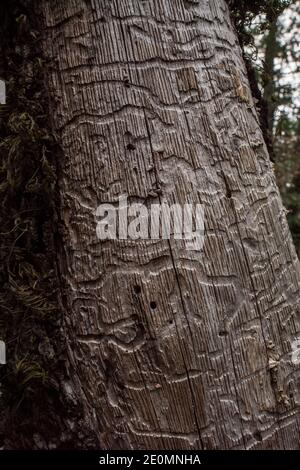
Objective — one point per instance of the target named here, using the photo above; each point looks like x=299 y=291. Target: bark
x=168 y=349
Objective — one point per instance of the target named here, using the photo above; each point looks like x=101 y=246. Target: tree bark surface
x=171 y=349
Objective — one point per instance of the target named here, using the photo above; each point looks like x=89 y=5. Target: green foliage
x=28 y=371
x=261 y=33
x=245 y=12
x=28 y=286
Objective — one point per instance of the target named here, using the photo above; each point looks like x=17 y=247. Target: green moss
x=28 y=285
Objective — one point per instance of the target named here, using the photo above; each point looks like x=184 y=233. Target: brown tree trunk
x=168 y=349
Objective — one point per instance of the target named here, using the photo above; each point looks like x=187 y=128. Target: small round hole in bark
x=223 y=333
x=257 y=435
x=130 y=147
x=153 y=305
x=228 y=193
x=126 y=81
x=137 y=289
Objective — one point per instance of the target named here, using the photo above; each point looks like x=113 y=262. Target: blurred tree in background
x=272 y=46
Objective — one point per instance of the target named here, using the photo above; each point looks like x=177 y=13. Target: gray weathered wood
x=210 y=365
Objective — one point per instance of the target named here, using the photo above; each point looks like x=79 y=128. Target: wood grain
x=171 y=350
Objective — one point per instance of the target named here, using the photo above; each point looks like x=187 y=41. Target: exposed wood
x=150 y=94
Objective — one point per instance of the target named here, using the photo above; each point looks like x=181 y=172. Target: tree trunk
x=171 y=350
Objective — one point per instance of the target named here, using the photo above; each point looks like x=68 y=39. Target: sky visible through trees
x=275 y=56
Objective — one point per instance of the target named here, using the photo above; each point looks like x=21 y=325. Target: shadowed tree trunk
x=171 y=349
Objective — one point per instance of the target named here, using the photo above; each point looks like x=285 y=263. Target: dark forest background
x=269 y=33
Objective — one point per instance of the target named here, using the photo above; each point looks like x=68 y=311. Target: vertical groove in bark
x=153 y=96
